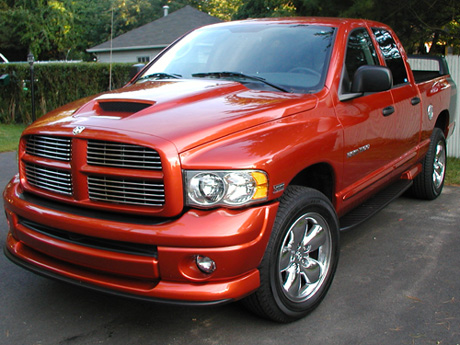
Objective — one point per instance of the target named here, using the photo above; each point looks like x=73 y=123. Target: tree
x=415 y=21
x=40 y=26
x=265 y=8
x=223 y=9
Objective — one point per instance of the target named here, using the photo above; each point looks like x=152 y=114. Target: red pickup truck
x=227 y=167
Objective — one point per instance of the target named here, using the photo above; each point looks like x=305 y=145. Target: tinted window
x=392 y=55
x=360 y=51
x=295 y=57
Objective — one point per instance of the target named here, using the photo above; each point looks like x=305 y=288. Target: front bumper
x=101 y=250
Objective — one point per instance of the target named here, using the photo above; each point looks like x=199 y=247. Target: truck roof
x=325 y=21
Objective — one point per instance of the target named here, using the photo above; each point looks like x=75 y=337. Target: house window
x=143 y=58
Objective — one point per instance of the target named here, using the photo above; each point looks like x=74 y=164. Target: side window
x=392 y=55
x=360 y=51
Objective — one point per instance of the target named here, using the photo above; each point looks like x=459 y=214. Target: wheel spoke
x=299 y=230
x=315 y=238
x=295 y=283
x=439 y=150
x=311 y=270
x=285 y=259
x=439 y=166
x=437 y=177
x=291 y=277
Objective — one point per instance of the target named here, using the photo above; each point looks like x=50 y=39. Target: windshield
x=288 y=57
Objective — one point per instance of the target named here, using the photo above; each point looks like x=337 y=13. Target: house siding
x=127 y=56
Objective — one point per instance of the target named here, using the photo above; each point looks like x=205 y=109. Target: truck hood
x=185 y=112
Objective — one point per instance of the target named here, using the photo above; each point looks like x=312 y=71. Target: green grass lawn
x=453 y=171
x=9 y=139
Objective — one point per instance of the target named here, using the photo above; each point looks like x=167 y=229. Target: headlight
x=225 y=188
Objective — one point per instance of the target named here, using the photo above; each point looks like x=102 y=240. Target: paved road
x=398 y=282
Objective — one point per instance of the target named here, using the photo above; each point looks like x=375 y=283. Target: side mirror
x=135 y=69
x=370 y=78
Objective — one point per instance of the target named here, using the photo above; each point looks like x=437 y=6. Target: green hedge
x=55 y=85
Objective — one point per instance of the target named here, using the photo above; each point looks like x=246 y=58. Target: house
x=144 y=43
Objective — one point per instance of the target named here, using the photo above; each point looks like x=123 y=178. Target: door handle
x=415 y=101
x=388 y=111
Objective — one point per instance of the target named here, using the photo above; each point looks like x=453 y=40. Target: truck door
x=368 y=130
x=406 y=98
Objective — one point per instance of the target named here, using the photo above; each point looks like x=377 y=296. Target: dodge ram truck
x=227 y=167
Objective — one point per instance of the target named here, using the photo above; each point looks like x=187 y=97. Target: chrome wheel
x=300 y=259
x=304 y=257
x=429 y=183
x=439 y=165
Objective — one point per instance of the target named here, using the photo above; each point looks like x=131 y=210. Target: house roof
x=160 y=32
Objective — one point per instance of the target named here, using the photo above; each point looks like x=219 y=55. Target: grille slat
x=126 y=184
x=43 y=178
x=58 y=148
x=127 y=191
x=51 y=179
x=105 y=153
x=126 y=199
x=121 y=191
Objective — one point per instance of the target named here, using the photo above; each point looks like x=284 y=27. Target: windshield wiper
x=238 y=75
x=156 y=76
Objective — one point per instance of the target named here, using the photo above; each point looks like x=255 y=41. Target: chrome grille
x=106 y=153
x=54 y=180
x=58 y=148
x=123 y=191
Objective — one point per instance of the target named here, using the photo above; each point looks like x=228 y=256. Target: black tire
x=429 y=183
x=301 y=257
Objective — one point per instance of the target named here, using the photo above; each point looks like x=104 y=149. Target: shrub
x=55 y=85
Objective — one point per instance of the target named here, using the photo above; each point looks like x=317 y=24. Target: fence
x=454 y=66
x=453 y=148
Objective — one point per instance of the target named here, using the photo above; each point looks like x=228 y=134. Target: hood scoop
x=120 y=108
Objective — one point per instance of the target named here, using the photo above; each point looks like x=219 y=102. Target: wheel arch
x=442 y=122
x=320 y=176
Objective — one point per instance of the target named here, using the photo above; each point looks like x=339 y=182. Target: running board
x=374 y=204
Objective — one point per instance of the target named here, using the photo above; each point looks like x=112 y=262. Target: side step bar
x=374 y=204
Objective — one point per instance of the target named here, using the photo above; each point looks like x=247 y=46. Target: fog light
x=205 y=264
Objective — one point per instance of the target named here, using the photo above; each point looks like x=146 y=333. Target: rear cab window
x=392 y=55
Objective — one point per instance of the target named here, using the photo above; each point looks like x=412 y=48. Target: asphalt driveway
x=398 y=282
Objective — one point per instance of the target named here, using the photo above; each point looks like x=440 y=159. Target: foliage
x=64 y=29
x=265 y=8
x=37 y=25
x=219 y=8
x=56 y=84
x=415 y=21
